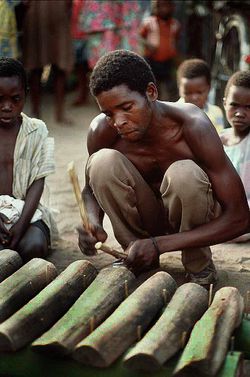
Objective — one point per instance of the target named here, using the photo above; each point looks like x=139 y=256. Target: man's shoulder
x=100 y=134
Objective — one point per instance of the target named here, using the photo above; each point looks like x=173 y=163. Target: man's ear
x=152 y=92
x=224 y=101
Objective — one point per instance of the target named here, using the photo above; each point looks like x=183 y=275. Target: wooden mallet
x=83 y=213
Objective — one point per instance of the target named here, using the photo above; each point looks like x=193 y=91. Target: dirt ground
x=232 y=260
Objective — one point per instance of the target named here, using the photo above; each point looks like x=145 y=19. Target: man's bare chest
x=153 y=161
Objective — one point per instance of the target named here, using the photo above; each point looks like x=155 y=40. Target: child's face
x=12 y=98
x=194 y=90
x=237 y=108
x=164 y=8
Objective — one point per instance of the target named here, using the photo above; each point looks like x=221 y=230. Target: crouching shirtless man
x=158 y=170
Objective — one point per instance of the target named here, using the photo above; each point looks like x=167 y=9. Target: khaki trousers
x=185 y=201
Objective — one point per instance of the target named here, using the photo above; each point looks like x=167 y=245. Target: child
x=160 y=34
x=236 y=140
x=194 y=82
x=26 y=158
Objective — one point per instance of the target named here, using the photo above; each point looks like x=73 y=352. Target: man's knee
x=103 y=165
x=185 y=176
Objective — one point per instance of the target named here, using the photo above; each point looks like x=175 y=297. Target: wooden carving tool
x=84 y=216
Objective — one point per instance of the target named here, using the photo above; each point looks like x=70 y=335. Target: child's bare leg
x=35 y=91
x=60 y=82
x=33 y=244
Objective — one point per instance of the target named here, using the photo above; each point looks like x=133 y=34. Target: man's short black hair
x=121 y=67
x=12 y=67
x=192 y=68
x=239 y=78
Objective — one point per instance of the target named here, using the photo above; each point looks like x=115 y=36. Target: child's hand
x=4 y=233
x=15 y=234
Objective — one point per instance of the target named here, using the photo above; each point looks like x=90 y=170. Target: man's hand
x=87 y=241
x=4 y=233
x=142 y=256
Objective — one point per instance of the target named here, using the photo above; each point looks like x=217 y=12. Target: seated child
x=194 y=82
x=236 y=140
x=26 y=158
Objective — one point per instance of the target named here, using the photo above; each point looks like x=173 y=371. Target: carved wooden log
x=207 y=347
x=165 y=338
x=93 y=306
x=127 y=323
x=24 y=284
x=47 y=307
x=10 y=261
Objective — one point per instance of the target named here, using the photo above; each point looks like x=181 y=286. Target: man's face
x=194 y=90
x=127 y=111
x=237 y=108
x=12 y=98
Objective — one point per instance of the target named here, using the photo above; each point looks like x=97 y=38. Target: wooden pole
x=98 y=301
x=169 y=333
x=126 y=324
x=46 y=307
x=207 y=347
x=24 y=284
x=10 y=261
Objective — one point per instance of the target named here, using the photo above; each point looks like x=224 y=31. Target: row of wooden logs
x=95 y=318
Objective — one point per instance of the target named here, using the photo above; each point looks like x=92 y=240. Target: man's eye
x=16 y=98
x=127 y=108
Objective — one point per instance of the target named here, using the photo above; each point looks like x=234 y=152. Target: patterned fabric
x=239 y=154
x=8 y=29
x=110 y=25
x=33 y=159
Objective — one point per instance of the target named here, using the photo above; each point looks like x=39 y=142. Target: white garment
x=12 y=208
x=33 y=159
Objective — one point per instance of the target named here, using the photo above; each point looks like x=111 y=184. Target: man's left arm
x=227 y=188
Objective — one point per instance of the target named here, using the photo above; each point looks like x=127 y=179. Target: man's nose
x=6 y=106
x=119 y=121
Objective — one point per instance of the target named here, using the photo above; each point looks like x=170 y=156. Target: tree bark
x=10 y=261
x=47 y=307
x=208 y=344
x=93 y=306
x=168 y=334
x=127 y=323
x=23 y=285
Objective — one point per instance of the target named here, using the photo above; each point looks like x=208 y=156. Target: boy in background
x=236 y=140
x=26 y=158
x=160 y=34
x=194 y=83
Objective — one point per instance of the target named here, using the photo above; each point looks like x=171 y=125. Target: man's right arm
x=89 y=237
x=100 y=136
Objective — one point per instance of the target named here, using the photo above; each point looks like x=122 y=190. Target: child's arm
x=32 y=199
